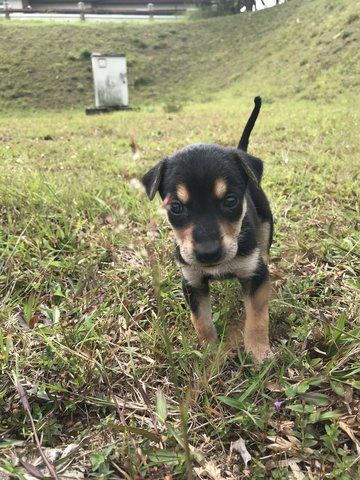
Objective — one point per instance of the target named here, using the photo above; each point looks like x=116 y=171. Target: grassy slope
x=83 y=320
x=306 y=49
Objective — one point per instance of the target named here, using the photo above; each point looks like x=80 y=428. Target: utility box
x=110 y=81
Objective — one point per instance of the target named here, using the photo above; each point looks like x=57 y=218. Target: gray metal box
x=110 y=80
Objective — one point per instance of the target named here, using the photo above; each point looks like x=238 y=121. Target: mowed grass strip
x=94 y=325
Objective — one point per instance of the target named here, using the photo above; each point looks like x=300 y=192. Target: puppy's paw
x=260 y=352
x=205 y=329
x=209 y=337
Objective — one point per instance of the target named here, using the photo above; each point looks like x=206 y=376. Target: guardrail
x=176 y=10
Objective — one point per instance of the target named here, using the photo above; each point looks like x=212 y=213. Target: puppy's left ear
x=252 y=166
x=152 y=179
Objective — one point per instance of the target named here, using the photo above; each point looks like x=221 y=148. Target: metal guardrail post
x=81 y=6
x=150 y=9
x=7 y=10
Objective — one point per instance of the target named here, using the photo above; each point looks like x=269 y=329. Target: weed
x=85 y=54
x=142 y=81
x=172 y=106
x=140 y=44
x=345 y=34
x=352 y=18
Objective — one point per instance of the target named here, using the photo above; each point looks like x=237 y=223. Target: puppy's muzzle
x=208 y=252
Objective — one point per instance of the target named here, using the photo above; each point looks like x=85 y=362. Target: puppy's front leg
x=257 y=296
x=198 y=299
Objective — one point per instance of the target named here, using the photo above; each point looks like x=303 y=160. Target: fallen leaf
x=213 y=411
x=274 y=387
x=210 y=470
x=34 y=471
x=280 y=444
x=296 y=471
x=240 y=447
x=197 y=454
x=351 y=434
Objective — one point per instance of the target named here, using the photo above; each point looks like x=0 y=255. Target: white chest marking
x=241 y=267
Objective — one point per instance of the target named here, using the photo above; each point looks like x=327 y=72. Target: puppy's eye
x=176 y=208
x=230 y=201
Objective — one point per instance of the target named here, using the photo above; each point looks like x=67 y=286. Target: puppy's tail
x=244 y=140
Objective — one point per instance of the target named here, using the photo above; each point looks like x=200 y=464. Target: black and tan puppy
x=223 y=228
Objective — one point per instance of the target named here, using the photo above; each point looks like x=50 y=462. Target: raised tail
x=244 y=140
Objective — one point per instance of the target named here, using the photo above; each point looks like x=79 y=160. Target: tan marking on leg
x=220 y=188
x=182 y=193
x=256 y=332
x=203 y=323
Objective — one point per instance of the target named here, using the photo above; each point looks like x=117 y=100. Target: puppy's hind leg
x=198 y=299
x=256 y=331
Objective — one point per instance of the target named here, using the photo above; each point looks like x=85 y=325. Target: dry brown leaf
x=351 y=434
x=274 y=387
x=209 y=471
x=286 y=463
x=280 y=444
x=130 y=405
x=197 y=454
x=212 y=410
x=296 y=471
x=32 y=469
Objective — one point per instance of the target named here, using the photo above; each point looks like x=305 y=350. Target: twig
x=184 y=428
x=21 y=391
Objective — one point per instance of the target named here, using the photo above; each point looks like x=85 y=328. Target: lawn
x=97 y=355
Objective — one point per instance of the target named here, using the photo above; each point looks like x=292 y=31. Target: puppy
x=223 y=228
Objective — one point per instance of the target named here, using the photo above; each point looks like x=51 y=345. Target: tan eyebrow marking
x=220 y=188
x=183 y=193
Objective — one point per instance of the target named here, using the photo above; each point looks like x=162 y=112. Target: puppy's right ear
x=152 y=179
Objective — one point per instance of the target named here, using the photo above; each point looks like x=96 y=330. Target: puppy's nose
x=208 y=252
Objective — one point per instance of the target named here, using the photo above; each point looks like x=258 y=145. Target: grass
x=100 y=370
x=94 y=327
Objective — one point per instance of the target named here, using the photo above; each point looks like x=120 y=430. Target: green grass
x=97 y=354
x=92 y=308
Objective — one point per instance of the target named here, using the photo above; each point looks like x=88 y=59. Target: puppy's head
x=203 y=189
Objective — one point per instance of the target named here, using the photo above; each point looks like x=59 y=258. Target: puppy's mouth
x=210 y=265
